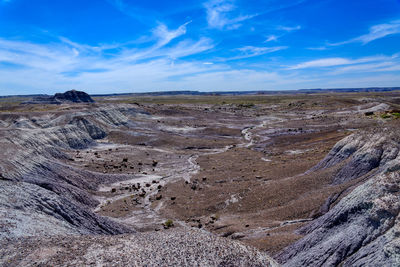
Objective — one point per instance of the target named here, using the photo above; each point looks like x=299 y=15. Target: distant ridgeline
x=82 y=97
x=300 y=91
x=72 y=96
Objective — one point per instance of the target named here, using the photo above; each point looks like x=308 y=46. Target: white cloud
x=165 y=35
x=281 y=28
x=252 y=51
x=188 y=47
x=320 y=48
x=143 y=15
x=373 y=67
x=326 y=62
x=375 y=32
x=69 y=57
x=272 y=38
x=218 y=15
x=337 y=61
x=65 y=64
x=289 y=29
x=256 y=51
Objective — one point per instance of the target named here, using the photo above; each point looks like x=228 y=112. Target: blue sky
x=116 y=46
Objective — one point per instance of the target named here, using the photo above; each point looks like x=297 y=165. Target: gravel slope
x=174 y=247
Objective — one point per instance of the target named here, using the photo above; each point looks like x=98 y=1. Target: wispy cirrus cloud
x=219 y=15
x=285 y=29
x=62 y=62
x=257 y=51
x=288 y=28
x=372 y=67
x=272 y=38
x=375 y=32
x=338 y=61
x=165 y=35
x=188 y=47
x=325 y=62
x=253 y=51
x=65 y=65
x=68 y=56
x=58 y=66
x=162 y=37
x=143 y=15
x=318 y=48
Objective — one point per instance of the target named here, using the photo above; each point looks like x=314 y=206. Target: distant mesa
x=74 y=96
x=71 y=96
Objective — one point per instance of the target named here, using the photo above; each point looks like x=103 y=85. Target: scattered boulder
x=168 y=224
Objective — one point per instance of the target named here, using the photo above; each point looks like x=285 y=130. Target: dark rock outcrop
x=71 y=96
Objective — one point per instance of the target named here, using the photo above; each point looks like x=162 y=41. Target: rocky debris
x=4 y=178
x=227 y=234
x=168 y=224
x=175 y=247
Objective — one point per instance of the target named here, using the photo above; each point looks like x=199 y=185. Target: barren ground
x=237 y=167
